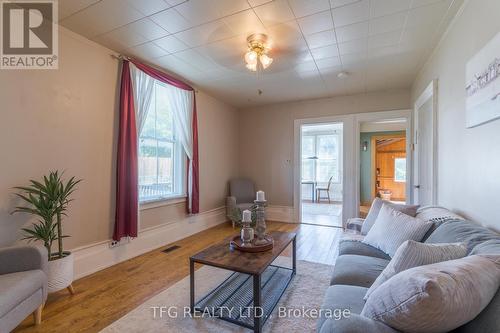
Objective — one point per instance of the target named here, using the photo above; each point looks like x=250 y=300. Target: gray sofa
x=23 y=284
x=359 y=264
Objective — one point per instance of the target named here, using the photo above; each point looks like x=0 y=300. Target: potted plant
x=48 y=200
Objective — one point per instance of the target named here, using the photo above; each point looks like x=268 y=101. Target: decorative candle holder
x=246 y=242
x=246 y=231
x=260 y=226
x=247 y=234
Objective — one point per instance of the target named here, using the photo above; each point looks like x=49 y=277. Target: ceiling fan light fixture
x=257 y=52
x=252 y=67
x=265 y=60
x=251 y=57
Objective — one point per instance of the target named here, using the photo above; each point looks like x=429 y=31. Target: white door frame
x=430 y=92
x=348 y=209
x=377 y=116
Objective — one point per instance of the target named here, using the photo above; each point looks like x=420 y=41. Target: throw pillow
x=392 y=228
x=437 y=215
x=438 y=297
x=412 y=254
x=375 y=210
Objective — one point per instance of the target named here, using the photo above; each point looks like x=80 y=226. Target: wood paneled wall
x=384 y=162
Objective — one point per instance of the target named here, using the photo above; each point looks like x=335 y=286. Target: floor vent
x=171 y=248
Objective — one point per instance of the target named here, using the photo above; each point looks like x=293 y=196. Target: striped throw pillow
x=436 y=298
x=412 y=254
x=392 y=228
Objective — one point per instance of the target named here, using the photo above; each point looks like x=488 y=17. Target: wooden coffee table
x=248 y=296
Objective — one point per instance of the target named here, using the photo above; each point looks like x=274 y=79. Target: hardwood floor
x=105 y=296
x=322 y=213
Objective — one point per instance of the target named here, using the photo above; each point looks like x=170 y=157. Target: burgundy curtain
x=127 y=197
x=160 y=76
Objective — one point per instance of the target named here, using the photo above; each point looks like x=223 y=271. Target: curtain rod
x=119 y=57
x=123 y=57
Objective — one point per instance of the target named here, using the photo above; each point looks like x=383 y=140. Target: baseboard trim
x=95 y=257
x=280 y=214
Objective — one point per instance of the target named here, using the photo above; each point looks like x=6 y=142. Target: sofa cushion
x=15 y=316
x=438 y=297
x=348 y=246
x=489 y=247
x=437 y=215
x=16 y=287
x=354 y=324
x=462 y=231
x=356 y=270
x=377 y=204
x=340 y=297
x=392 y=228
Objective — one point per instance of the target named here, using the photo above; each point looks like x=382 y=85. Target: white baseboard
x=95 y=257
x=280 y=214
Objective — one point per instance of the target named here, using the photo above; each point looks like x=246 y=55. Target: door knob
x=416 y=186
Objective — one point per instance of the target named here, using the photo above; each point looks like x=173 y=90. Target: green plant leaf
x=48 y=199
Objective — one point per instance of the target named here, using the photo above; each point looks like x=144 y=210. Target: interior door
x=424 y=184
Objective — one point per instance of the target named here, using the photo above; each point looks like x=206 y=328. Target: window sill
x=160 y=202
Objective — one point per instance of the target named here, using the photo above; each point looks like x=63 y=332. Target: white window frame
x=178 y=178
x=395 y=173
x=316 y=135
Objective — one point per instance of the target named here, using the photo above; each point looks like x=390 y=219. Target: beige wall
x=266 y=136
x=468 y=159
x=66 y=119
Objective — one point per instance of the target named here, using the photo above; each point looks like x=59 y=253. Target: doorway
x=383 y=162
x=321 y=163
x=425 y=168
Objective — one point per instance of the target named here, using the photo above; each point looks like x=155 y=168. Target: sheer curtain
x=143 y=86
x=181 y=102
x=137 y=85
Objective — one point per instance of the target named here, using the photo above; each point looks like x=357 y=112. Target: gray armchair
x=241 y=195
x=23 y=285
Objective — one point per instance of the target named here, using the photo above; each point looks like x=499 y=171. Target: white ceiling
x=380 y=43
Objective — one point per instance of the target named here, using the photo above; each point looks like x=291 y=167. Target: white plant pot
x=61 y=272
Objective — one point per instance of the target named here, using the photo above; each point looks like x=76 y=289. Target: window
x=161 y=158
x=320 y=157
x=308 y=153
x=400 y=169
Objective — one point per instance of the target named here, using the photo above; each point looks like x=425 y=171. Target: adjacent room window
x=320 y=157
x=400 y=169
x=161 y=158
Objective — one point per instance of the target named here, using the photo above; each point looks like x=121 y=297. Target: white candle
x=247 y=216
x=261 y=196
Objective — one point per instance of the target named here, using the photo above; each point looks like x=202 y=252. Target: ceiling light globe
x=252 y=67
x=265 y=60
x=251 y=57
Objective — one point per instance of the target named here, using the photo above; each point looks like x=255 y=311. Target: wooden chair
x=319 y=189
